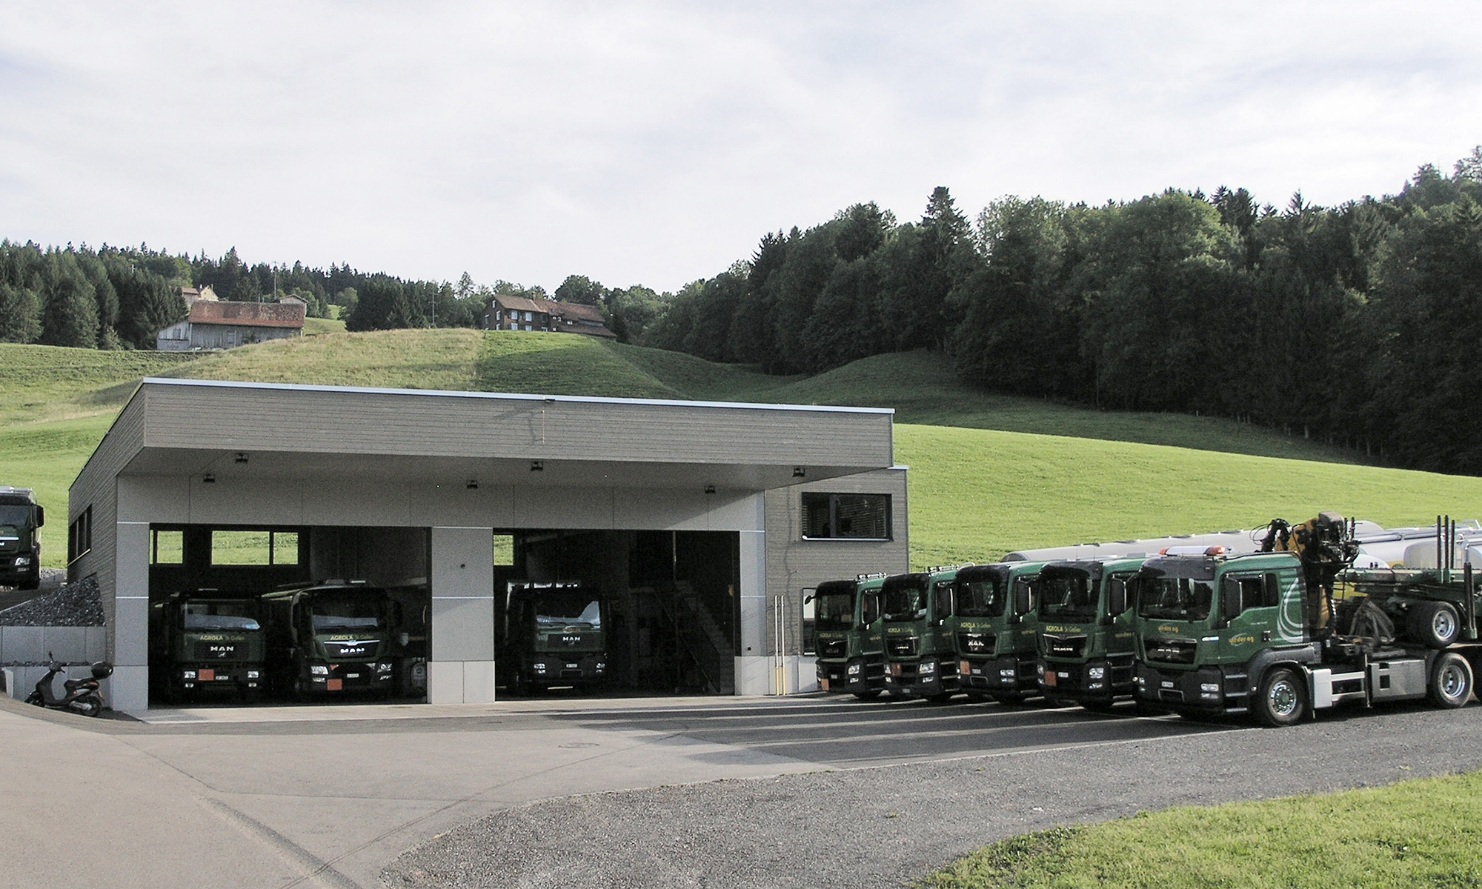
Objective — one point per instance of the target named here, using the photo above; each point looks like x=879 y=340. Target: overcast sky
x=655 y=144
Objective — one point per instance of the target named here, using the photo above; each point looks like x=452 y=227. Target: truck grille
x=1064 y=646
x=901 y=647
x=833 y=648
x=975 y=643
x=1170 y=651
x=216 y=651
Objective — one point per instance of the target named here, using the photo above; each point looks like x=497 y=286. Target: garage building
x=705 y=523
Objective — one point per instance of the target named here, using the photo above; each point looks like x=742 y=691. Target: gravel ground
x=56 y=604
x=884 y=827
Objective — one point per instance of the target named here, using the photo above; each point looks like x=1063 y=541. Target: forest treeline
x=1356 y=324
x=120 y=297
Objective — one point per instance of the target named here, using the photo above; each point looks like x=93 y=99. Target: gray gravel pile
x=72 y=605
x=889 y=826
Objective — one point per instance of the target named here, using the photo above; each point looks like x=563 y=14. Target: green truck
x=849 y=636
x=208 y=641
x=552 y=634
x=920 y=649
x=998 y=631
x=1086 y=639
x=1261 y=635
x=21 y=518
x=331 y=638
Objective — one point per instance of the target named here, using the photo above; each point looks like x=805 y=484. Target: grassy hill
x=989 y=473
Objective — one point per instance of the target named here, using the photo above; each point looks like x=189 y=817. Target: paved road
x=281 y=797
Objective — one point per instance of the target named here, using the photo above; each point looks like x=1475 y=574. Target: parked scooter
x=82 y=695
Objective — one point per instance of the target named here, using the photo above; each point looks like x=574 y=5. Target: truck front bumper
x=342 y=677
x=1206 y=690
x=846 y=677
x=243 y=676
x=924 y=678
x=1092 y=682
x=1004 y=674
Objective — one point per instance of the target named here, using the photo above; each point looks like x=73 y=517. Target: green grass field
x=988 y=474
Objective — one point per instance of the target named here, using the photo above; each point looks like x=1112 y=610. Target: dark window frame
x=812 y=502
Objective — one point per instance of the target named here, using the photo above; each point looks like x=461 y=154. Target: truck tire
x=1450 y=684
x=1433 y=624
x=32 y=580
x=1283 y=698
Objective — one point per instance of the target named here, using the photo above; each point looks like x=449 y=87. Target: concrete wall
x=24 y=651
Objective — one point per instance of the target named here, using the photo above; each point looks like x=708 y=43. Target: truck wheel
x=32 y=581
x=1434 y=624
x=1451 y=681
x=519 y=686
x=1283 y=698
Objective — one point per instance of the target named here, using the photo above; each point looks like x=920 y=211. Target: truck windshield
x=982 y=598
x=1173 y=598
x=575 y=610
x=331 y=612
x=220 y=616
x=905 y=599
x=834 y=610
x=14 y=516
x=1067 y=595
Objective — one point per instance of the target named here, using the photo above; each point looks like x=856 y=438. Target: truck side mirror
x=1231 y=601
x=1116 y=597
x=1022 y=603
x=40 y=515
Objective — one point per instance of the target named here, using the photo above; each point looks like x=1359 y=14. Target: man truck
x=552 y=634
x=997 y=631
x=21 y=518
x=1086 y=634
x=1261 y=635
x=920 y=652
x=205 y=641
x=331 y=638
x=849 y=636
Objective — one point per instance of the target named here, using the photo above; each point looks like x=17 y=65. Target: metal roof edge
x=512 y=396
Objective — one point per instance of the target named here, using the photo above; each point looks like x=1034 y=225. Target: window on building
x=846 y=516
x=166 y=546
x=262 y=548
x=80 y=536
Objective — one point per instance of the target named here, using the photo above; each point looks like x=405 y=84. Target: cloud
x=654 y=143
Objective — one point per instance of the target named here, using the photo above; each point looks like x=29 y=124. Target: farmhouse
x=520 y=313
x=218 y=324
x=706 y=523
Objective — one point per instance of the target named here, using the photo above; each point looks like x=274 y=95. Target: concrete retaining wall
x=24 y=651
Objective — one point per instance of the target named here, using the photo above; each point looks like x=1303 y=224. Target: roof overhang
x=245 y=431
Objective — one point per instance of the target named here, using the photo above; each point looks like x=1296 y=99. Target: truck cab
x=552 y=634
x=331 y=638
x=1086 y=635
x=920 y=651
x=997 y=631
x=850 y=637
x=206 y=641
x=21 y=518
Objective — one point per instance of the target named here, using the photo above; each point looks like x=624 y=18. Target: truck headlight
x=318 y=670
x=538 y=668
x=22 y=561
x=928 y=667
x=600 y=666
x=188 y=674
x=1008 y=673
x=383 y=668
x=252 y=674
x=853 y=669
x=1095 y=672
